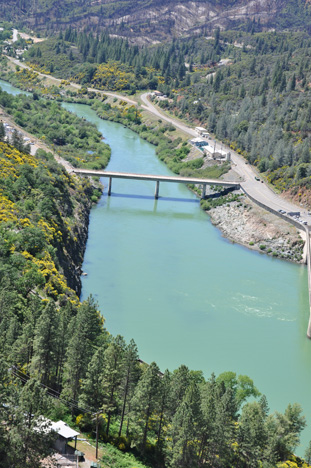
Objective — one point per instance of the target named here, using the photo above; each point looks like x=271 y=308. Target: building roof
x=221 y=152
x=198 y=140
x=64 y=430
x=200 y=129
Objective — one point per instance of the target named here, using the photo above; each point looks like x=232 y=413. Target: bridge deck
x=156 y=178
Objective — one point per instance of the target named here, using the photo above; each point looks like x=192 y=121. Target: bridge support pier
x=109 y=186
x=309 y=329
x=156 y=193
x=203 y=191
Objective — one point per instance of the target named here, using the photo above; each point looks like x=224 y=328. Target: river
x=163 y=275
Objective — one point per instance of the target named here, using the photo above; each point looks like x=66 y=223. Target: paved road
x=73 y=85
x=37 y=143
x=151 y=108
x=259 y=191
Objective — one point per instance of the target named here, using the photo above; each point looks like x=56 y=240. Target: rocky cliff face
x=144 y=20
x=70 y=254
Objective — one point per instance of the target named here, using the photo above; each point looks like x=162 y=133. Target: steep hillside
x=153 y=20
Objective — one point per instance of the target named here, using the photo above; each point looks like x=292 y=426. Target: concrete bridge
x=204 y=183
x=157 y=179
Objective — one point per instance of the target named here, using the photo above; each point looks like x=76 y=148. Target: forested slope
x=50 y=341
x=257 y=100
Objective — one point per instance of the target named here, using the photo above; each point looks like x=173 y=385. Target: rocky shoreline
x=245 y=223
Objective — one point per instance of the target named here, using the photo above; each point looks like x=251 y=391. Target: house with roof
x=65 y=434
x=200 y=130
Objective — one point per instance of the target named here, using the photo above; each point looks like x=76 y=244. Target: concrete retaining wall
x=280 y=215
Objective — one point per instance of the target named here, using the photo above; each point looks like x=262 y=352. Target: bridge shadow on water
x=154 y=210
x=151 y=197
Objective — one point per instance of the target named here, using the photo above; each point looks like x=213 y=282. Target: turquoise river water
x=163 y=275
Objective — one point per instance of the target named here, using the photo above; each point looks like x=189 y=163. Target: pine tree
x=252 y=434
x=185 y=430
x=92 y=388
x=22 y=349
x=64 y=315
x=145 y=402
x=12 y=333
x=17 y=140
x=179 y=383
x=8 y=398
x=129 y=379
x=113 y=371
x=2 y=132
x=219 y=416
x=29 y=438
x=86 y=331
x=292 y=85
x=308 y=453
x=165 y=403
x=45 y=345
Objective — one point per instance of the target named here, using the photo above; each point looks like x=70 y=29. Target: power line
x=51 y=392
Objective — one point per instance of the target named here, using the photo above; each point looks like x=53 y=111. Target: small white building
x=200 y=130
x=221 y=155
x=65 y=434
x=218 y=155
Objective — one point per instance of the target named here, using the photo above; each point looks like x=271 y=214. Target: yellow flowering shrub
x=26 y=233
x=11 y=158
x=112 y=75
x=8 y=211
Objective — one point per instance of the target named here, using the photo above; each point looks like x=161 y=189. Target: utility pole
x=97 y=424
x=97 y=427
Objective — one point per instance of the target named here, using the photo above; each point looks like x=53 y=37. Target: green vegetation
x=48 y=338
x=6 y=32
x=100 y=61
x=75 y=139
x=21 y=416
x=38 y=207
x=170 y=149
x=6 y=35
x=219 y=201
x=256 y=103
x=116 y=458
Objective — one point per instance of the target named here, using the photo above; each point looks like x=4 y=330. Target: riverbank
x=245 y=223
x=241 y=222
